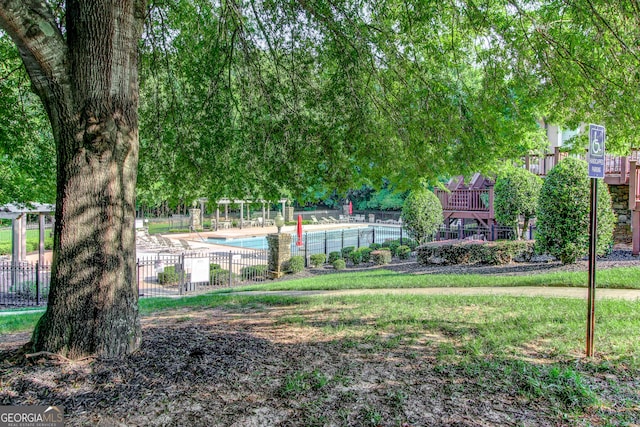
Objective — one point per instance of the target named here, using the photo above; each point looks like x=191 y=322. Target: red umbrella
x=299 y=242
x=350 y=208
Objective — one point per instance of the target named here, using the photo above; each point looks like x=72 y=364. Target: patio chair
x=314 y=220
x=332 y=219
x=325 y=220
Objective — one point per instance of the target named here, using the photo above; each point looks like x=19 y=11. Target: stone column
x=195 y=223
x=279 y=253
x=288 y=214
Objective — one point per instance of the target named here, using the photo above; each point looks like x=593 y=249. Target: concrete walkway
x=530 y=291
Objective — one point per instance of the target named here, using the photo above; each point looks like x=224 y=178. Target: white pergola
x=17 y=213
x=226 y=202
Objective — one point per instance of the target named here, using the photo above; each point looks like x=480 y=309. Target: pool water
x=320 y=241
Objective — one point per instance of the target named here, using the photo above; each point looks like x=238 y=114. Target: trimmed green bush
x=355 y=257
x=317 y=260
x=169 y=276
x=334 y=256
x=403 y=252
x=218 y=276
x=393 y=246
x=476 y=252
x=422 y=214
x=516 y=194
x=295 y=264
x=375 y=246
x=346 y=251
x=366 y=253
x=381 y=256
x=254 y=272
x=562 y=227
x=339 y=264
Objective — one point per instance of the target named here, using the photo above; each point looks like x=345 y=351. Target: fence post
x=181 y=273
x=400 y=235
x=461 y=230
x=326 y=247
x=230 y=269
x=138 y=274
x=342 y=240
x=306 y=249
x=373 y=235
x=37 y=283
x=493 y=232
x=358 y=241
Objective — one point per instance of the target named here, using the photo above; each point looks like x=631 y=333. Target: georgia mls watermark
x=31 y=416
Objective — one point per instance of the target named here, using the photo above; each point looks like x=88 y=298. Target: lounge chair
x=325 y=220
x=314 y=220
x=332 y=219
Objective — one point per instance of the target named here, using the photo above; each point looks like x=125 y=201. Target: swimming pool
x=322 y=241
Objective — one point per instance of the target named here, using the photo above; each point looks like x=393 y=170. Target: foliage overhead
x=262 y=97
x=562 y=225
x=27 y=151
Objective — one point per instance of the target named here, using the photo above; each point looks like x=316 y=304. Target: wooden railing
x=466 y=200
x=614 y=165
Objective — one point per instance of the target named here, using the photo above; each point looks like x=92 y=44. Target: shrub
x=411 y=243
x=346 y=251
x=334 y=256
x=366 y=254
x=254 y=272
x=339 y=264
x=381 y=256
x=516 y=194
x=477 y=252
x=317 y=259
x=393 y=246
x=375 y=246
x=170 y=276
x=355 y=257
x=403 y=252
x=562 y=227
x=218 y=276
x=295 y=264
x=28 y=290
x=422 y=214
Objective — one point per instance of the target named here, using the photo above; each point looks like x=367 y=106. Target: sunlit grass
x=623 y=278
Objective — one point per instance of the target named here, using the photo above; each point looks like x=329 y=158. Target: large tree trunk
x=89 y=86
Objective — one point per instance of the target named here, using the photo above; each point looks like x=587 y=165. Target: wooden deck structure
x=474 y=201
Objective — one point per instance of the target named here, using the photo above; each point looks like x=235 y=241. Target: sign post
x=596 y=171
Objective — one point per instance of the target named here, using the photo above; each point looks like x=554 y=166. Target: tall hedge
x=516 y=195
x=422 y=214
x=563 y=213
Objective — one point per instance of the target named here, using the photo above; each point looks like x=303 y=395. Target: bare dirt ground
x=233 y=367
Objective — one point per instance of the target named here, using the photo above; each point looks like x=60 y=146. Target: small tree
x=563 y=213
x=422 y=214
x=516 y=195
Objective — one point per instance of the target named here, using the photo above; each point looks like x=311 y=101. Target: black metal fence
x=24 y=283
x=173 y=275
x=334 y=240
x=166 y=275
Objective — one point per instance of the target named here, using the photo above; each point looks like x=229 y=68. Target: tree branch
x=34 y=30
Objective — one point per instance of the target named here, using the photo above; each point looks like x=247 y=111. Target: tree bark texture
x=88 y=82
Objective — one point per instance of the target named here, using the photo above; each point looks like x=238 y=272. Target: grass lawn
x=378 y=359
x=33 y=239
x=620 y=278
